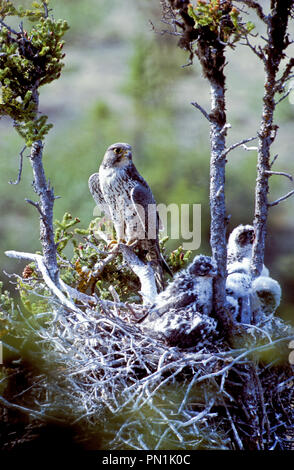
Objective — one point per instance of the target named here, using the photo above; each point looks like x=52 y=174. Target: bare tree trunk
x=277 y=41
x=217 y=195
x=46 y=201
x=212 y=59
x=45 y=208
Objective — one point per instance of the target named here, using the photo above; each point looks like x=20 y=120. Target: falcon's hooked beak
x=127 y=154
x=124 y=157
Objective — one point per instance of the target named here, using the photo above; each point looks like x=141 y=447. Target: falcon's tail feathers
x=165 y=266
x=159 y=266
x=158 y=274
x=157 y=262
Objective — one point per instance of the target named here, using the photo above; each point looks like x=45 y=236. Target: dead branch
x=46 y=195
x=239 y=144
x=275 y=203
x=285 y=95
x=202 y=110
x=257 y=7
x=37 y=206
x=273 y=54
x=39 y=260
x=257 y=51
x=17 y=181
x=143 y=271
x=273 y=160
x=286 y=76
x=280 y=173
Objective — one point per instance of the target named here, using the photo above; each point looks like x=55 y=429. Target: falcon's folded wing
x=96 y=192
x=145 y=207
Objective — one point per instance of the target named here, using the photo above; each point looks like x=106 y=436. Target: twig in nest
x=28 y=411
x=114 y=294
x=41 y=265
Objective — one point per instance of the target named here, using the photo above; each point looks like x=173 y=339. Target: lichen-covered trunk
x=277 y=42
x=46 y=195
x=217 y=195
x=262 y=180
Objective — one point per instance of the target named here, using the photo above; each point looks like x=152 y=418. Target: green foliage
x=179 y=258
x=85 y=269
x=6 y=302
x=82 y=266
x=6 y=306
x=7 y=8
x=62 y=233
x=28 y=60
x=169 y=138
x=20 y=323
x=221 y=18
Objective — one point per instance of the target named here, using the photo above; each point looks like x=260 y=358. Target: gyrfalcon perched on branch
x=121 y=192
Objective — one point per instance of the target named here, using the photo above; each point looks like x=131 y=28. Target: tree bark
x=217 y=195
x=45 y=207
x=277 y=23
x=212 y=58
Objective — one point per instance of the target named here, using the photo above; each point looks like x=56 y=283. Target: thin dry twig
x=17 y=181
x=202 y=110
x=239 y=144
x=257 y=7
x=277 y=201
x=279 y=173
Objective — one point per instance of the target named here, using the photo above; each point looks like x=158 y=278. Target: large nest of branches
x=96 y=371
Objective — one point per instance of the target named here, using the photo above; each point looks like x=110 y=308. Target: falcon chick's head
x=243 y=236
x=240 y=243
x=203 y=266
x=118 y=155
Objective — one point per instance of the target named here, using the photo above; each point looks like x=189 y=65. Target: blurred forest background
x=124 y=82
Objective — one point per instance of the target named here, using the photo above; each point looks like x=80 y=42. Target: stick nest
x=119 y=388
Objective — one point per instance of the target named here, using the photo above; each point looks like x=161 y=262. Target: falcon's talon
x=114 y=244
x=131 y=243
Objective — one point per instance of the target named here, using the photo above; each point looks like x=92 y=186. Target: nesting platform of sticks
x=99 y=370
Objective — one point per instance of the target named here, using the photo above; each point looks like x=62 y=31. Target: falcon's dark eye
x=117 y=150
